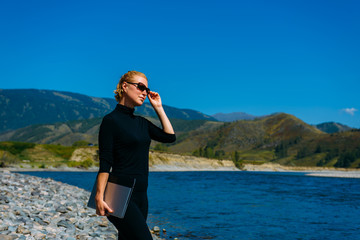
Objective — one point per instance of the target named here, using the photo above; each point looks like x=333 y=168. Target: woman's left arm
x=155 y=101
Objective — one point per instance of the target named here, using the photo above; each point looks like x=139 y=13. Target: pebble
x=37 y=208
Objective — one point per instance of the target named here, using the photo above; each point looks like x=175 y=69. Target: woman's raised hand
x=155 y=99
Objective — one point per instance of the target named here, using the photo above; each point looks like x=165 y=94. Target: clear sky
x=300 y=57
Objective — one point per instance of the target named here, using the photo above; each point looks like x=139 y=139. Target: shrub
x=345 y=160
x=83 y=164
x=81 y=143
x=160 y=147
x=59 y=150
x=16 y=147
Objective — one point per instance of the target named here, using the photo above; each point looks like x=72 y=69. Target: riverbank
x=184 y=164
x=37 y=208
x=310 y=171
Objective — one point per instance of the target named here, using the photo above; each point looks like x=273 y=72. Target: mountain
x=191 y=134
x=230 y=117
x=332 y=127
x=186 y=114
x=279 y=138
x=264 y=132
x=67 y=133
x=24 y=107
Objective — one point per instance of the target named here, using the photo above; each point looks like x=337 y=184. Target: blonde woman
x=124 y=141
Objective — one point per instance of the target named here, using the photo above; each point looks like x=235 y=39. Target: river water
x=245 y=205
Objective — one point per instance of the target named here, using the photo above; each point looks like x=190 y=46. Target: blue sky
x=259 y=57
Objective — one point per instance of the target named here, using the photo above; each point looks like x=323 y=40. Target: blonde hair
x=127 y=77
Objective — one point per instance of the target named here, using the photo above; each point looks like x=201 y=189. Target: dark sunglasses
x=141 y=87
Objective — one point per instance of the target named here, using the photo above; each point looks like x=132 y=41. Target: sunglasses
x=141 y=87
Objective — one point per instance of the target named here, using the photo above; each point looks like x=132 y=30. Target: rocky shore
x=37 y=208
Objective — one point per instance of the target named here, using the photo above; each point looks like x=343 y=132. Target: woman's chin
x=138 y=104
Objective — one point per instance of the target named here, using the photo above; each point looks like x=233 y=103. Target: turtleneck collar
x=125 y=109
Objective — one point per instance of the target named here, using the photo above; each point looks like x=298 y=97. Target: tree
x=318 y=149
x=281 y=150
x=345 y=160
x=237 y=161
x=236 y=156
x=219 y=154
x=303 y=152
x=160 y=147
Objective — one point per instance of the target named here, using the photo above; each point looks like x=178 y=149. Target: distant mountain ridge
x=66 y=133
x=332 y=127
x=230 y=117
x=23 y=107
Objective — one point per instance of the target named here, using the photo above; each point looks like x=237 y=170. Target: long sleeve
x=159 y=135
x=106 y=143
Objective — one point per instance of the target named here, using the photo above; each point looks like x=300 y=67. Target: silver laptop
x=116 y=196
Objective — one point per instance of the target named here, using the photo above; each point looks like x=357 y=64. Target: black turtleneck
x=124 y=141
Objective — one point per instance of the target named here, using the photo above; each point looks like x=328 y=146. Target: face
x=134 y=96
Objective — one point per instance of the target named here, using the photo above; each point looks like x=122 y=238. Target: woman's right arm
x=106 y=161
x=101 y=207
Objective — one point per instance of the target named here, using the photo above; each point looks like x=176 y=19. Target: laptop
x=116 y=196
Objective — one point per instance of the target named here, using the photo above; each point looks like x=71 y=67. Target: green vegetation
x=237 y=161
x=161 y=147
x=181 y=125
x=279 y=138
x=60 y=151
x=81 y=143
x=347 y=158
x=16 y=148
x=83 y=164
x=42 y=155
x=209 y=152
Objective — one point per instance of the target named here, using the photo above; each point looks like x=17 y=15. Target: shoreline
x=38 y=208
x=267 y=167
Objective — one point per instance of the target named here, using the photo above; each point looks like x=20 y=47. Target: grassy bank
x=30 y=155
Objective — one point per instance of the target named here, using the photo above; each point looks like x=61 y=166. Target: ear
x=124 y=86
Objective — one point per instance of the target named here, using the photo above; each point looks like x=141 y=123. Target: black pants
x=133 y=226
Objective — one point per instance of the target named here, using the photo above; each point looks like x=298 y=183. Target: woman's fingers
x=107 y=208
x=155 y=99
x=103 y=209
x=153 y=94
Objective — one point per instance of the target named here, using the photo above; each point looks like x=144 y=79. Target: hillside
x=67 y=133
x=24 y=107
x=58 y=133
x=34 y=156
x=332 y=127
x=279 y=138
x=248 y=134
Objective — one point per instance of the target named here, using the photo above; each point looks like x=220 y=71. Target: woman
x=124 y=141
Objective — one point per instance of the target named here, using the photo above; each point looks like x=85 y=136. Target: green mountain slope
x=24 y=107
x=280 y=138
x=67 y=133
x=248 y=134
